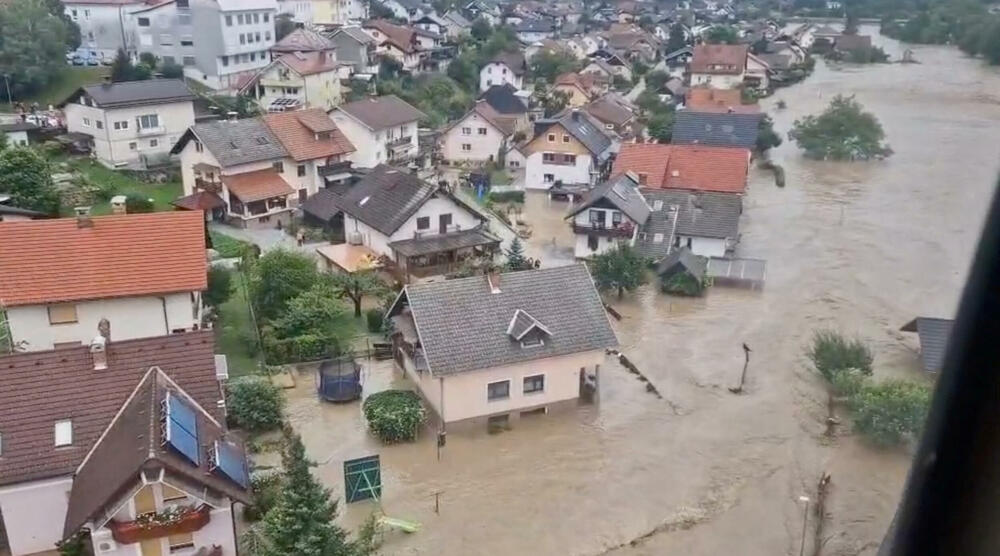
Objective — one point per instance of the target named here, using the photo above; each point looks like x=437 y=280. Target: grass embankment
x=120 y=183
x=234 y=332
x=63 y=86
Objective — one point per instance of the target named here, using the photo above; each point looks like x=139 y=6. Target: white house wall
x=34 y=514
x=578 y=173
x=483 y=147
x=495 y=73
x=130 y=317
x=115 y=146
x=370 y=151
x=716 y=81
x=704 y=246
x=460 y=217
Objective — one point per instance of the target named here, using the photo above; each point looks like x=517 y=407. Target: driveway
x=265 y=238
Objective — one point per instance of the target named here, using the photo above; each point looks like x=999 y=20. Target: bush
x=683 y=283
x=394 y=415
x=254 y=404
x=171 y=70
x=832 y=352
x=220 y=286
x=506 y=196
x=890 y=412
x=148 y=58
x=135 y=204
x=374 y=319
x=266 y=488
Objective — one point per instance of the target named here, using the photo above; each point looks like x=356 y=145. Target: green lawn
x=227 y=246
x=234 y=333
x=123 y=184
x=70 y=80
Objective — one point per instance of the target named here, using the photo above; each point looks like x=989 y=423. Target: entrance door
x=444 y=221
x=151 y=547
x=303 y=193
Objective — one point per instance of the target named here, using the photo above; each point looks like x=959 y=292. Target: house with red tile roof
x=297 y=80
x=126 y=439
x=708 y=99
x=143 y=274
x=686 y=167
x=720 y=66
x=581 y=88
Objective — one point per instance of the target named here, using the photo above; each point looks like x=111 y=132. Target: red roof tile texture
x=310 y=63
x=703 y=99
x=43 y=387
x=308 y=134
x=719 y=58
x=257 y=185
x=691 y=167
x=49 y=261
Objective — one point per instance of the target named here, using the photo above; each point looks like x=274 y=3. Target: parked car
x=84 y=57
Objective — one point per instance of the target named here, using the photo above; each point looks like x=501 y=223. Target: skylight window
x=262 y=140
x=363 y=201
x=657 y=205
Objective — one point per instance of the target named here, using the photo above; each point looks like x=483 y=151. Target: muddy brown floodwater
x=862 y=247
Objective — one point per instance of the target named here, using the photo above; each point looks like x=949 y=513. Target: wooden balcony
x=400 y=142
x=138 y=530
x=334 y=168
x=623 y=230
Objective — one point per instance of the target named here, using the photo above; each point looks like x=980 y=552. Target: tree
x=57 y=9
x=722 y=34
x=515 y=257
x=277 y=277
x=550 y=63
x=122 y=68
x=639 y=68
x=844 y=131
x=767 y=138
x=355 y=286
x=172 y=70
x=254 y=404
x=656 y=79
x=851 y=22
x=317 y=311
x=832 y=352
x=481 y=29
x=220 y=286
x=620 y=269
x=33 y=45
x=677 y=38
x=138 y=204
x=661 y=126
x=890 y=412
x=301 y=522
x=27 y=178
x=283 y=26
x=148 y=58
x=394 y=415
x=464 y=71
x=358 y=90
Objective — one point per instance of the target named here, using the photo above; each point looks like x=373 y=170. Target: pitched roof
x=933 y=334
x=706 y=99
x=257 y=185
x=49 y=261
x=585 y=82
x=503 y=124
x=513 y=60
x=235 y=142
x=535 y=25
x=42 y=387
x=457 y=18
x=683 y=258
x=436 y=243
x=692 y=167
x=356 y=33
x=580 y=126
x=303 y=40
x=853 y=42
x=719 y=58
x=463 y=326
x=621 y=192
x=504 y=100
x=308 y=134
x=309 y=63
x=134 y=93
x=609 y=110
x=199 y=200
x=700 y=214
x=400 y=36
x=722 y=130
x=134 y=441
x=381 y=112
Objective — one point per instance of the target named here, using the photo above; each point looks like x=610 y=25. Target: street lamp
x=805 y=520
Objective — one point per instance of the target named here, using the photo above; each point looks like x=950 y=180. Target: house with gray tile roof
x=608 y=214
x=384 y=129
x=418 y=229
x=716 y=129
x=570 y=149
x=493 y=347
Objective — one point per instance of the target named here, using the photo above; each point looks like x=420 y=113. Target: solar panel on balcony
x=231 y=462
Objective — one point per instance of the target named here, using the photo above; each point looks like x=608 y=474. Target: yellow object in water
x=402 y=524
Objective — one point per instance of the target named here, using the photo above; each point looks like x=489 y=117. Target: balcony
x=201 y=184
x=623 y=230
x=334 y=168
x=155 y=526
x=147 y=131
x=400 y=142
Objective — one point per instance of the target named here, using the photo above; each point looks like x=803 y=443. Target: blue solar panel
x=182 y=441
x=183 y=415
x=231 y=462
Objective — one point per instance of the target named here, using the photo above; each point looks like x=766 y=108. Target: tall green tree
x=57 y=9
x=550 y=63
x=844 y=131
x=767 y=138
x=277 y=277
x=302 y=521
x=676 y=40
x=355 y=286
x=620 y=269
x=516 y=260
x=481 y=29
x=722 y=34
x=656 y=79
x=26 y=176
x=32 y=45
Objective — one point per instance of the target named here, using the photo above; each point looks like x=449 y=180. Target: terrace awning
x=202 y=200
x=257 y=186
x=439 y=243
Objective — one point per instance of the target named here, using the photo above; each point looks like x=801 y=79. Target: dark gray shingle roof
x=721 y=130
x=502 y=99
x=463 y=326
x=131 y=93
x=436 y=243
x=580 y=126
x=236 y=142
x=715 y=215
x=683 y=259
x=385 y=198
x=933 y=334
x=382 y=112
x=621 y=192
x=661 y=225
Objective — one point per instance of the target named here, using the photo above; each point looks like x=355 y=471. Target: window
x=63 y=313
x=482 y=131
x=149 y=121
x=188 y=60
x=132 y=146
x=180 y=542
x=466 y=147
x=121 y=125
x=565 y=138
x=548 y=178
x=64 y=432
x=534 y=383
x=256 y=37
x=657 y=205
x=187 y=42
x=279 y=167
x=657 y=238
x=166 y=40
x=423 y=223
x=198 y=147
x=552 y=138
x=548 y=157
x=266 y=17
x=593 y=242
x=466 y=131
x=616 y=218
x=225 y=60
x=689 y=243
x=498 y=390
x=143 y=22
x=229 y=21
x=267 y=35
x=153 y=142
x=300 y=170
x=243 y=38
x=99 y=123
x=253 y=56
x=256 y=18
x=569 y=159
x=86 y=122
x=171 y=494
x=239 y=19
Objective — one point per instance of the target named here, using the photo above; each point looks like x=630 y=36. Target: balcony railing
x=187 y=520
x=622 y=230
x=158 y=130
x=335 y=168
x=400 y=142
x=206 y=185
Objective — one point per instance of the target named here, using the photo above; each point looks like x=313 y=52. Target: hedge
x=254 y=404
x=394 y=415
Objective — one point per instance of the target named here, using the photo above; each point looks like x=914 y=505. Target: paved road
x=641 y=85
x=265 y=238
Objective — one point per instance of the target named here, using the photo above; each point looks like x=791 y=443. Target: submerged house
x=499 y=347
x=933 y=334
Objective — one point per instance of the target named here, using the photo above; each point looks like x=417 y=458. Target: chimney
x=233 y=116
x=576 y=114
x=493 y=280
x=98 y=352
x=83 y=217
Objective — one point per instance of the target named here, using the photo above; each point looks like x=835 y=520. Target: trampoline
x=339 y=380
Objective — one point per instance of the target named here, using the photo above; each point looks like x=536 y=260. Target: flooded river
x=863 y=247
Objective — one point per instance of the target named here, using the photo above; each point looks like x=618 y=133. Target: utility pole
x=743 y=375
x=6 y=80
x=805 y=521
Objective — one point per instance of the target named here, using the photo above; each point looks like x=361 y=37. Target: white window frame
x=63 y=433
